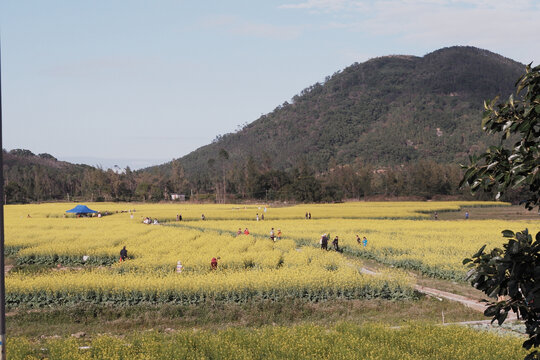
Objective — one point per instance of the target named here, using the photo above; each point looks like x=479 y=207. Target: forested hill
x=386 y=111
x=391 y=126
x=31 y=177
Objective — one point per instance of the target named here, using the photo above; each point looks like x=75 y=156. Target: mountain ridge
x=397 y=125
x=386 y=111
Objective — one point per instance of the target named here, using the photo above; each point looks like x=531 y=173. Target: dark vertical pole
x=2 y=265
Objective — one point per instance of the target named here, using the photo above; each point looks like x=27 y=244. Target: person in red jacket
x=213 y=264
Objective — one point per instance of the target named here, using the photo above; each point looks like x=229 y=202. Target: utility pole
x=2 y=265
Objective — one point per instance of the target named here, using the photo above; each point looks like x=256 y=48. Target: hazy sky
x=138 y=83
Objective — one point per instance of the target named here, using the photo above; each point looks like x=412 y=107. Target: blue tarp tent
x=81 y=209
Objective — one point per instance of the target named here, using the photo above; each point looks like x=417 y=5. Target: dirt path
x=7 y=268
x=473 y=304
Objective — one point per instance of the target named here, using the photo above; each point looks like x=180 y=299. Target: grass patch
x=98 y=319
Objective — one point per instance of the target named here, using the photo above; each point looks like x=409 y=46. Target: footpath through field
x=471 y=303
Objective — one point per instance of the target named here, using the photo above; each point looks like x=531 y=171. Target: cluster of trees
x=33 y=178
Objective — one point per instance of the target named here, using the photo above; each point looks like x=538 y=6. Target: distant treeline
x=34 y=178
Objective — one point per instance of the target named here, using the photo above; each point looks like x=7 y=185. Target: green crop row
x=43 y=298
x=65 y=260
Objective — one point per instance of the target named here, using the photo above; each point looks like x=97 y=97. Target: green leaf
x=479 y=252
x=513 y=247
x=508 y=233
x=491 y=311
x=501 y=317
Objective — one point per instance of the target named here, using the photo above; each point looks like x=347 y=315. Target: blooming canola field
x=342 y=341
x=78 y=257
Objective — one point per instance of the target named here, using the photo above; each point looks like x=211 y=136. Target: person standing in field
x=179 y=267
x=364 y=241
x=466 y=215
x=123 y=254
x=324 y=242
x=358 y=239
x=239 y=232
x=279 y=234
x=272 y=236
x=309 y=216
x=203 y=217
x=213 y=264
x=246 y=231
x=335 y=243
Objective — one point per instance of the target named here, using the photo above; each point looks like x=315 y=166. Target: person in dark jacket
x=324 y=242
x=123 y=254
x=335 y=243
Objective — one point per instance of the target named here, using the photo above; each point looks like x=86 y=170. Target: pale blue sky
x=138 y=83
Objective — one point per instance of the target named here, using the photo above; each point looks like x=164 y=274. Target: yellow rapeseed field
x=249 y=266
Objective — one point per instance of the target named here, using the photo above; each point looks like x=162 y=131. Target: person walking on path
x=123 y=254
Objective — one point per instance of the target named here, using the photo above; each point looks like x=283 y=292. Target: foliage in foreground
x=501 y=168
x=343 y=341
x=511 y=275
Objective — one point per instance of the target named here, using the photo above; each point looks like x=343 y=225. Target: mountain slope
x=385 y=111
x=30 y=177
